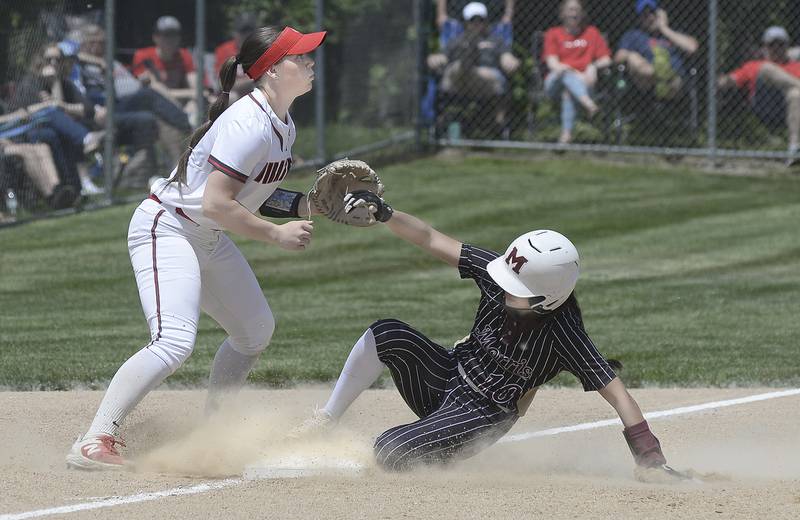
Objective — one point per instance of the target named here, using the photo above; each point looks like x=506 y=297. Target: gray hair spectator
x=131 y=96
x=654 y=52
x=773 y=86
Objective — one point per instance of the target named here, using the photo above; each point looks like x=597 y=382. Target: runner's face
x=521 y=310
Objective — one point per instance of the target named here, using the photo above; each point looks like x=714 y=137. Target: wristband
x=282 y=204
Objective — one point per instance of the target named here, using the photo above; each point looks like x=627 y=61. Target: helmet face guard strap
x=533 y=311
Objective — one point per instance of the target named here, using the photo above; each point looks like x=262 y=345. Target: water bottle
x=454 y=131
x=11 y=203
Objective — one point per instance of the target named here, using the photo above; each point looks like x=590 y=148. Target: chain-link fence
x=76 y=132
x=668 y=77
x=642 y=76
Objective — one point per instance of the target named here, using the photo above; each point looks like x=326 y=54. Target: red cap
x=289 y=42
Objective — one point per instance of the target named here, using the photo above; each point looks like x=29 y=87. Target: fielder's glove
x=378 y=208
x=336 y=180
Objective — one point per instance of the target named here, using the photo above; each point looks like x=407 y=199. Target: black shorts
x=455 y=422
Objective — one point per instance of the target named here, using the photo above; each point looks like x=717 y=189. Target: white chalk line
x=131 y=499
x=683 y=410
x=221 y=484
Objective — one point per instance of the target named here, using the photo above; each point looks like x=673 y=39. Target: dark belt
x=179 y=211
x=472 y=385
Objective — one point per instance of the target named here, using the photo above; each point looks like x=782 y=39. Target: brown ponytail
x=252 y=48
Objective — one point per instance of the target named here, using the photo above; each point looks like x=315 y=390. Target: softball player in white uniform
x=182 y=259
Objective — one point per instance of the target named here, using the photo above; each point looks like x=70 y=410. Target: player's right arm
x=220 y=205
x=423 y=235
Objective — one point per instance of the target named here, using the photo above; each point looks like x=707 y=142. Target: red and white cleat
x=97 y=452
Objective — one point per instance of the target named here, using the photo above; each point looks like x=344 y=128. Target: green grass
x=689 y=279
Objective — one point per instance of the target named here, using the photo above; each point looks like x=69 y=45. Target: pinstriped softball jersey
x=504 y=361
x=455 y=420
x=466 y=397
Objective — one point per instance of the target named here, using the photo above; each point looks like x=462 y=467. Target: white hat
x=473 y=9
x=168 y=24
x=776 y=32
x=540 y=264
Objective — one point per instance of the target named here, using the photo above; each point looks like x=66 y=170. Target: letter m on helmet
x=515 y=261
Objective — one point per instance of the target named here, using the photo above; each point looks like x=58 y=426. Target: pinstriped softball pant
x=455 y=421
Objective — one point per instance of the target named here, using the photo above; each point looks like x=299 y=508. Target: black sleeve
x=578 y=353
x=282 y=204
x=473 y=261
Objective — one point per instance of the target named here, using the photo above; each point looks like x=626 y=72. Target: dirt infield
x=752 y=449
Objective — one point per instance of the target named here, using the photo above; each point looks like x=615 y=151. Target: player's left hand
x=663 y=474
x=378 y=207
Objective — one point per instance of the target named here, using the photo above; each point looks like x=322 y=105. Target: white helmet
x=539 y=264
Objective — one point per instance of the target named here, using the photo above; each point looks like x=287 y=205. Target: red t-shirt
x=576 y=51
x=172 y=73
x=224 y=51
x=747 y=74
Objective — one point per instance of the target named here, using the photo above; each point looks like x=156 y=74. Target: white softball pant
x=181 y=268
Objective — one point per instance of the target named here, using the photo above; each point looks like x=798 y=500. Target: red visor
x=288 y=42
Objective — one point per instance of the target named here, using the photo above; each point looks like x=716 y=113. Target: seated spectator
x=41 y=117
x=40 y=167
x=475 y=63
x=130 y=94
x=445 y=23
x=135 y=128
x=167 y=67
x=654 y=53
x=243 y=26
x=773 y=86
x=573 y=53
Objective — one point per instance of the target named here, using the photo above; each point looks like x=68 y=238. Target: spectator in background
x=442 y=18
x=475 y=63
x=135 y=128
x=573 y=52
x=243 y=26
x=55 y=119
x=38 y=164
x=654 y=53
x=167 y=67
x=130 y=94
x=773 y=86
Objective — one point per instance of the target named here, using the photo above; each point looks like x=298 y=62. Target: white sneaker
x=320 y=422
x=97 y=452
x=90 y=188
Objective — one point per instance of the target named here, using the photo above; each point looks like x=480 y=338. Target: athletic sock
x=134 y=379
x=228 y=373
x=361 y=369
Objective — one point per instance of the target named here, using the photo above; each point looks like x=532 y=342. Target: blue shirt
x=643 y=43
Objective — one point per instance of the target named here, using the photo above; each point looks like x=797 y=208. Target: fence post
x=200 y=57
x=319 y=88
x=421 y=12
x=712 y=81
x=109 y=162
